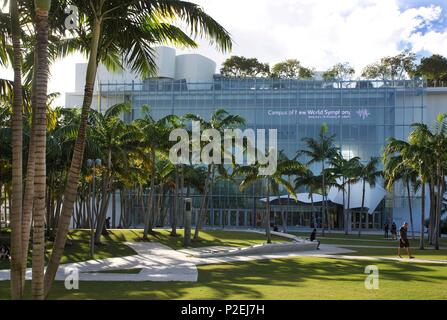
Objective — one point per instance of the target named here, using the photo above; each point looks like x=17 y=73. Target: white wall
x=196 y=69
x=436 y=104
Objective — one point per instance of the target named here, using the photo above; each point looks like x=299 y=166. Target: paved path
x=156 y=261
x=378 y=259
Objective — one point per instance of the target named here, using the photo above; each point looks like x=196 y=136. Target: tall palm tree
x=155 y=139
x=130 y=27
x=395 y=170
x=17 y=148
x=368 y=173
x=320 y=151
x=344 y=173
x=293 y=169
x=115 y=140
x=220 y=121
x=436 y=140
x=312 y=183
x=252 y=175
x=27 y=30
x=42 y=7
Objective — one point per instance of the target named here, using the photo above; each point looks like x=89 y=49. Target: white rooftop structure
x=196 y=69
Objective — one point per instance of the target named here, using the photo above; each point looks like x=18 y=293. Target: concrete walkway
x=378 y=259
x=156 y=261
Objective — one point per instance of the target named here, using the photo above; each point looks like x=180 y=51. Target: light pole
x=93 y=164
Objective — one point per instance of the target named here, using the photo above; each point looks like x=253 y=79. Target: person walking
x=404 y=242
x=394 y=231
x=313 y=237
x=387 y=229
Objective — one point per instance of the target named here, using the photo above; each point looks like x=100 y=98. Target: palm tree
x=273 y=182
x=220 y=121
x=115 y=140
x=130 y=27
x=293 y=169
x=395 y=170
x=155 y=139
x=27 y=29
x=312 y=183
x=344 y=174
x=368 y=173
x=320 y=151
x=42 y=7
x=17 y=147
x=436 y=141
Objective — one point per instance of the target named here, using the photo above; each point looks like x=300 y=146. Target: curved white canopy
x=373 y=197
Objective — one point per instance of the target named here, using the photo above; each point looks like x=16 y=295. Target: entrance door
x=365 y=219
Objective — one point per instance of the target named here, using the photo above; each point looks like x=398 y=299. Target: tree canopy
x=291 y=69
x=433 y=68
x=238 y=66
x=339 y=72
x=398 y=67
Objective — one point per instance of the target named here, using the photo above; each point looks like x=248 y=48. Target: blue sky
x=321 y=33
x=438 y=25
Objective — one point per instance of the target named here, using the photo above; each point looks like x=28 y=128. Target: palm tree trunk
x=324 y=217
x=107 y=186
x=267 y=216
x=28 y=200
x=440 y=189
x=345 y=213
x=76 y=163
x=203 y=205
x=421 y=241
x=174 y=206
x=348 y=209
x=410 y=208
x=17 y=146
x=432 y=213
x=114 y=209
x=314 y=217
x=148 y=223
x=40 y=177
x=363 y=208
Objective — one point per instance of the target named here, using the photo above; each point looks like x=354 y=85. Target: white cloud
x=321 y=33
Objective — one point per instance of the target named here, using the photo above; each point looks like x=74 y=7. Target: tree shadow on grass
x=262 y=280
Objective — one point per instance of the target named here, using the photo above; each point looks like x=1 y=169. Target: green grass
x=79 y=250
x=294 y=278
x=368 y=240
x=372 y=241
x=392 y=253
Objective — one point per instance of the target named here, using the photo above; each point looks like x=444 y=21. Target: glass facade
x=362 y=115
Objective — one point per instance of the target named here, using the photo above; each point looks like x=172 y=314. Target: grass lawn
x=292 y=278
x=79 y=249
x=392 y=253
x=372 y=241
x=295 y=278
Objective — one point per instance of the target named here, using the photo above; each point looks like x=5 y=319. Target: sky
x=319 y=33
